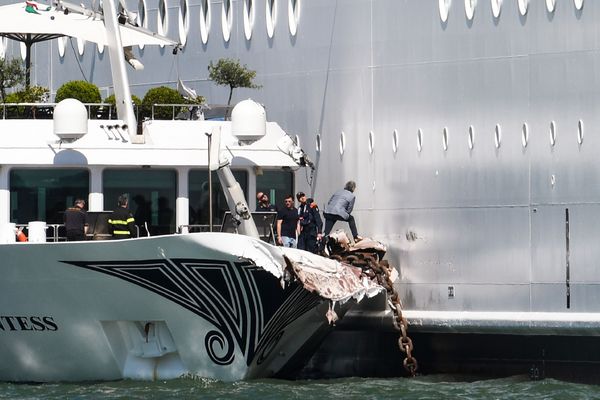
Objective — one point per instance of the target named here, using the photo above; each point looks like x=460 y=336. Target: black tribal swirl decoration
x=245 y=303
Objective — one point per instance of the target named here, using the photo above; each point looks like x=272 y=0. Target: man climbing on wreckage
x=339 y=208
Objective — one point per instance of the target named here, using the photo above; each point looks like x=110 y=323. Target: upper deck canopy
x=28 y=24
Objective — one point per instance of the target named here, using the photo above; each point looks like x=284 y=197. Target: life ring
x=21 y=237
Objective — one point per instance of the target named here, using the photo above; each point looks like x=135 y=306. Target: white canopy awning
x=19 y=24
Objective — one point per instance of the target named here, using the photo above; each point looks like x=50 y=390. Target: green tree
x=113 y=101
x=160 y=95
x=32 y=94
x=165 y=95
x=83 y=91
x=11 y=75
x=229 y=72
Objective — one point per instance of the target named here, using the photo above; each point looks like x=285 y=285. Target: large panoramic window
x=151 y=192
x=276 y=184
x=199 y=196
x=44 y=194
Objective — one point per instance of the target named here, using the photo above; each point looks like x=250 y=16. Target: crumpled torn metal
x=330 y=279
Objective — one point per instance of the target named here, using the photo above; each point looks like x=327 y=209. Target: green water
x=430 y=387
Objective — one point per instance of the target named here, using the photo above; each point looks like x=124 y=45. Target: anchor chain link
x=374 y=268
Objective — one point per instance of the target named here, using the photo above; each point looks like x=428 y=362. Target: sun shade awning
x=26 y=24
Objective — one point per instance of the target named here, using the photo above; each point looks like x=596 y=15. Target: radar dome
x=248 y=121
x=70 y=120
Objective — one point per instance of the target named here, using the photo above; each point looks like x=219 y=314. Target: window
x=271 y=16
x=199 y=196
x=205 y=20
x=470 y=8
x=249 y=12
x=277 y=184
x=184 y=21
x=151 y=192
x=162 y=18
x=143 y=16
x=293 y=15
x=444 y=7
x=44 y=194
x=226 y=19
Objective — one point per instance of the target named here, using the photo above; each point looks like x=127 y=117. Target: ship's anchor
x=369 y=260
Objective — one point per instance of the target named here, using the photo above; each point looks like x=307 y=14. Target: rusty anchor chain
x=374 y=268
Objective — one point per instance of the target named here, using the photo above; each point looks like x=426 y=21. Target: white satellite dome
x=248 y=121
x=70 y=120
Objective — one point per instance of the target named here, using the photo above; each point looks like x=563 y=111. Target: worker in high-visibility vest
x=121 y=220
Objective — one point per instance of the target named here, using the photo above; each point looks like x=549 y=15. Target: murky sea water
x=430 y=387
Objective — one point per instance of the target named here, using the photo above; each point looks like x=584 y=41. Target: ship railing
x=46 y=110
x=192 y=228
x=192 y=112
x=214 y=112
x=57 y=233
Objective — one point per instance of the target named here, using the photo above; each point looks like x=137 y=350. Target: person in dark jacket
x=339 y=208
x=75 y=219
x=310 y=223
x=121 y=220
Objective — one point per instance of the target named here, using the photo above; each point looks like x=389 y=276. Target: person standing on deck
x=339 y=208
x=75 y=220
x=287 y=223
x=263 y=203
x=121 y=220
x=310 y=223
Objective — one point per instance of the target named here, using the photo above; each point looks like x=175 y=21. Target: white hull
x=78 y=311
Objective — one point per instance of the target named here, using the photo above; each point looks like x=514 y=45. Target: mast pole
x=125 y=110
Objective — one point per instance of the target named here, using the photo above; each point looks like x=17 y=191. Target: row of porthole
x=249 y=11
x=445 y=138
x=470 y=5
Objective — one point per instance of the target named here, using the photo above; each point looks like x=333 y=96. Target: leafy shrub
x=83 y=91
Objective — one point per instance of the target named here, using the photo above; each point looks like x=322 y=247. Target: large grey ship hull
x=494 y=206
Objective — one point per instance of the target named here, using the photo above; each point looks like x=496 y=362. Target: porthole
x=271 y=16
x=205 y=20
x=249 y=13
x=226 y=19
x=162 y=18
x=80 y=46
x=342 y=143
x=318 y=143
x=61 y=45
x=24 y=50
x=470 y=8
x=496 y=8
x=578 y=4
x=525 y=134
x=184 y=21
x=419 y=140
x=371 y=142
x=552 y=133
x=445 y=138
x=580 y=132
x=444 y=7
x=143 y=16
x=395 y=141
x=498 y=136
x=3 y=46
x=471 y=137
x=523 y=6
x=293 y=15
x=550 y=5
x=100 y=48
x=297 y=140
